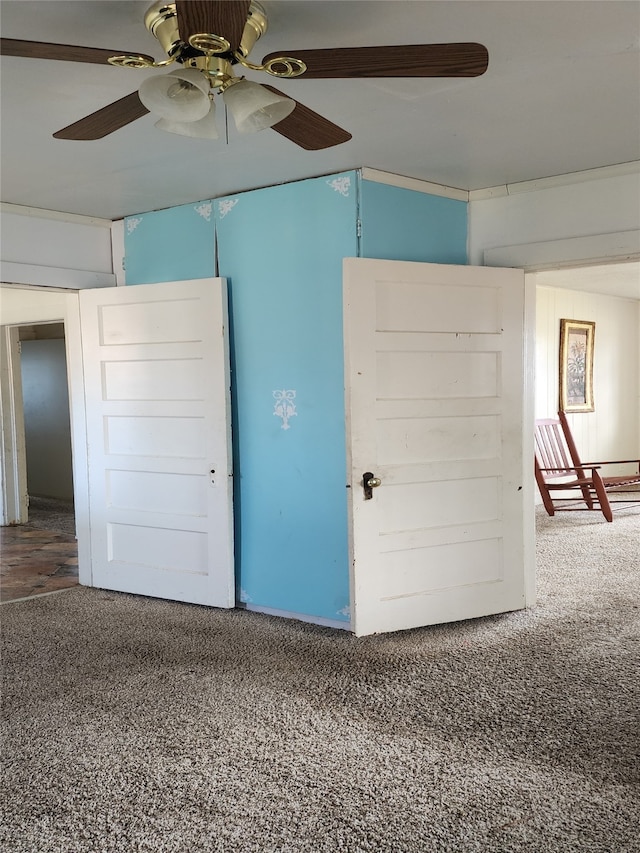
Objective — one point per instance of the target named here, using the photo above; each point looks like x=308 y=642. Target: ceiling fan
x=208 y=40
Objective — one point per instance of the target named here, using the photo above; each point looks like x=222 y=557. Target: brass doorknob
x=369 y=483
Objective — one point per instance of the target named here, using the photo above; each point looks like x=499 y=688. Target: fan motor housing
x=161 y=19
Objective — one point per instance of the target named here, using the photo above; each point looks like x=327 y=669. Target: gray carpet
x=51 y=514
x=133 y=724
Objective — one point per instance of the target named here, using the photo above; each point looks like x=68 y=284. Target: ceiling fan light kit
x=255 y=108
x=181 y=95
x=204 y=128
x=208 y=38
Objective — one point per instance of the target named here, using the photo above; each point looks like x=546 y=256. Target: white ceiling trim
x=631 y=168
x=41 y=213
x=416 y=184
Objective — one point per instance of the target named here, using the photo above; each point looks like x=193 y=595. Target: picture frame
x=576 y=365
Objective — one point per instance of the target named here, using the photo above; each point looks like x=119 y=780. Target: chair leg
x=586 y=494
x=601 y=492
x=548 y=503
x=544 y=491
x=573 y=452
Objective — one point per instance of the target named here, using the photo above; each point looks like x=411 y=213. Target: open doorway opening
x=40 y=547
x=47 y=427
x=607 y=294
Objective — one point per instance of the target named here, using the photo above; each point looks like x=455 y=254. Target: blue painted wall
x=281 y=250
x=405 y=225
x=176 y=244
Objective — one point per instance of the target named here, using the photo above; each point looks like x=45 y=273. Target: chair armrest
x=613 y=462
x=571 y=468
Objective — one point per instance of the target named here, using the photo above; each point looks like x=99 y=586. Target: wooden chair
x=558 y=469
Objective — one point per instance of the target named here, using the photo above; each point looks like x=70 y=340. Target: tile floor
x=35 y=561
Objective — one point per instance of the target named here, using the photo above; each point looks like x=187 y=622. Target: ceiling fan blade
x=307 y=129
x=224 y=18
x=64 y=52
x=463 y=59
x=105 y=121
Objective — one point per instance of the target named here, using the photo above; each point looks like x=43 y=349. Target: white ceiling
x=562 y=94
x=621 y=279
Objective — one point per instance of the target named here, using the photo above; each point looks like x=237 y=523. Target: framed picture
x=576 y=365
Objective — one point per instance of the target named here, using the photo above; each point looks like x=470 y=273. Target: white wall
x=579 y=213
x=612 y=431
x=47 y=248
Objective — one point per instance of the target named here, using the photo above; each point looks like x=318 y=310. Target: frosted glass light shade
x=204 y=128
x=182 y=95
x=255 y=108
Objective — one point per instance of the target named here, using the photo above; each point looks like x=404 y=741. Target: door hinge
x=358 y=228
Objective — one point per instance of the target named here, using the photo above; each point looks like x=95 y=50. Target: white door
x=158 y=435
x=435 y=389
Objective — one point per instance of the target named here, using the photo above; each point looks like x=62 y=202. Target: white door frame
x=44 y=305
x=13 y=494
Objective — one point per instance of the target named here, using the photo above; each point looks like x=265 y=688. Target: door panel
x=435 y=376
x=158 y=427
